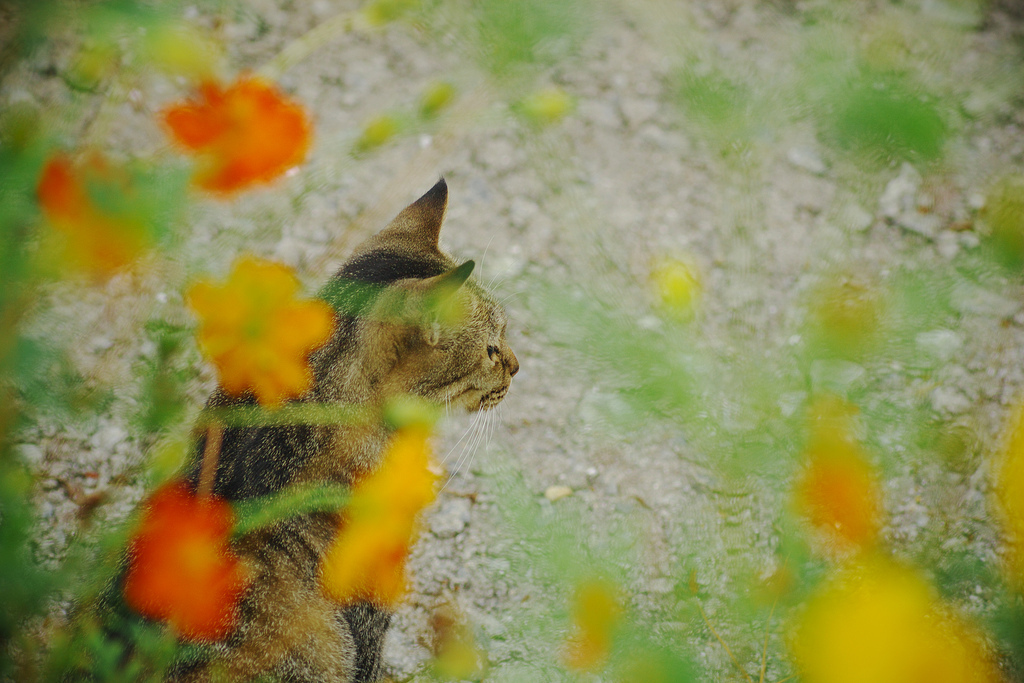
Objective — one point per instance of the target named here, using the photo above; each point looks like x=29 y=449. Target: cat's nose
x=513 y=364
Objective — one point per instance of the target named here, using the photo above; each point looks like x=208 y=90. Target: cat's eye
x=493 y=352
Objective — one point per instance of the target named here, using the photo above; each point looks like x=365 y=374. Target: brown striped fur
x=384 y=346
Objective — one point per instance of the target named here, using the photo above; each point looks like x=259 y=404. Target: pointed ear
x=441 y=306
x=442 y=286
x=419 y=224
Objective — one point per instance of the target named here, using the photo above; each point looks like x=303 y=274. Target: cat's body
x=386 y=344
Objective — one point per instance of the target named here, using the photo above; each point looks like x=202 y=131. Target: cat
x=287 y=627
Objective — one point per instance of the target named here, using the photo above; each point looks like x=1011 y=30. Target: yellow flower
x=257 y=333
x=436 y=97
x=546 y=106
x=883 y=623
x=376 y=132
x=595 y=614
x=838 y=492
x=367 y=560
x=456 y=655
x=1009 y=491
x=676 y=285
x=182 y=49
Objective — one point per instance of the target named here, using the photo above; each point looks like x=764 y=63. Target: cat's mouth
x=493 y=398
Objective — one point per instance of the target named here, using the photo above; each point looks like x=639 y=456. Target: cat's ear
x=441 y=305
x=441 y=287
x=418 y=226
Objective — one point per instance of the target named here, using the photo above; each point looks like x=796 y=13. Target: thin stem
x=722 y=643
x=764 y=650
x=214 y=435
x=311 y=41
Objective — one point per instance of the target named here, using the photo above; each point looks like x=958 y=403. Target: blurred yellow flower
x=848 y=313
x=436 y=97
x=596 y=612
x=257 y=333
x=676 y=285
x=882 y=623
x=381 y=12
x=182 y=49
x=376 y=132
x=546 y=106
x=456 y=655
x=838 y=491
x=367 y=560
x=1004 y=212
x=92 y=206
x=1009 y=492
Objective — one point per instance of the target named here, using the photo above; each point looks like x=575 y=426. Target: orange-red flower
x=838 y=491
x=257 y=333
x=243 y=134
x=367 y=560
x=181 y=569
x=596 y=613
x=91 y=206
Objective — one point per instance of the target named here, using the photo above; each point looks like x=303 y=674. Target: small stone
x=108 y=437
x=30 y=453
x=855 y=217
x=949 y=401
x=835 y=375
x=941 y=345
x=968 y=297
x=451 y=518
x=638 y=111
x=948 y=245
x=554 y=493
x=900 y=193
x=807 y=159
x=660 y=585
x=924 y=224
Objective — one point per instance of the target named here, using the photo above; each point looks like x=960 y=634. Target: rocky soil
x=589 y=203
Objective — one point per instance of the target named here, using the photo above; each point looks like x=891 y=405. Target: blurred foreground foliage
x=806 y=423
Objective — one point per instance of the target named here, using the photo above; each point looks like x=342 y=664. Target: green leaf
x=297 y=500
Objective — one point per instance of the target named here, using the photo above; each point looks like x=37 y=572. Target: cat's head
x=414 y=320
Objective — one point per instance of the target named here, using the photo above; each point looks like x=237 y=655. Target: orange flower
x=596 y=612
x=367 y=560
x=838 y=491
x=181 y=569
x=244 y=134
x=90 y=205
x=883 y=623
x=257 y=333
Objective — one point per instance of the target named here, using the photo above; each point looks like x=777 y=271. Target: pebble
x=941 y=345
x=968 y=297
x=900 y=193
x=835 y=375
x=807 y=159
x=30 y=454
x=554 y=493
x=950 y=401
x=855 y=217
x=451 y=517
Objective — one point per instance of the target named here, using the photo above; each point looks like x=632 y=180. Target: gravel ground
x=591 y=201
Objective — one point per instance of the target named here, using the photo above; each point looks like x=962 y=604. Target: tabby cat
x=388 y=343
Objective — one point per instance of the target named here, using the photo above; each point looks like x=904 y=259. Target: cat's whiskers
x=477 y=429
x=509 y=297
x=461 y=439
x=492 y=419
